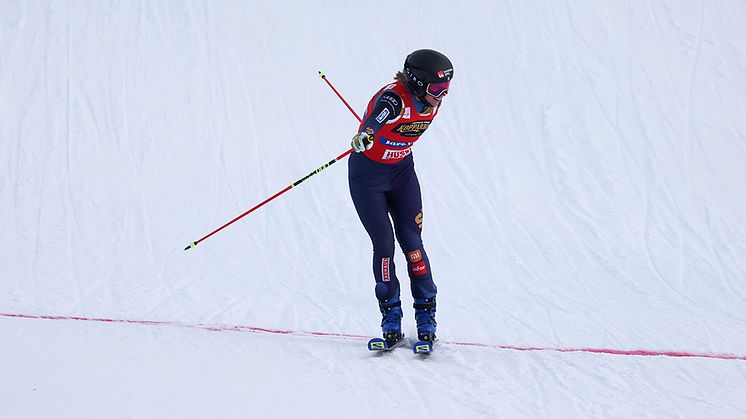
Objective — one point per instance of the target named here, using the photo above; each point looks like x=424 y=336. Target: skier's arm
x=388 y=106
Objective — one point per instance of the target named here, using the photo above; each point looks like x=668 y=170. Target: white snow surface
x=583 y=187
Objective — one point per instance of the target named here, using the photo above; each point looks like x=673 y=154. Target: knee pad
x=387 y=293
x=424 y=289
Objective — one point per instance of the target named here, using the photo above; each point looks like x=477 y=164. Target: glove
x=362 y=141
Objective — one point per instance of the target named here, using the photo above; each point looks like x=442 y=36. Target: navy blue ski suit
x=381 y=190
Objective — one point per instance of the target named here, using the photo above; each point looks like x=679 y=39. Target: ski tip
x=377 y=344
x=422 y=347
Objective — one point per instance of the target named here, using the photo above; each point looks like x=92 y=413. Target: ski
x=423 y=347
x=426 y=343
x=378 y=344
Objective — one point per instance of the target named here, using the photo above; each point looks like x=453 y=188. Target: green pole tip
x=192 y=244
x=322 y=74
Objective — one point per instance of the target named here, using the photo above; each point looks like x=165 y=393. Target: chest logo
x=412 y=129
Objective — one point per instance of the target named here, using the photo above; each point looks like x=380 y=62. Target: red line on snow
x=201 y=326
x=227 y=328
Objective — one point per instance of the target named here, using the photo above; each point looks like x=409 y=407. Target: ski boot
x=391 y=327
x=424 y=314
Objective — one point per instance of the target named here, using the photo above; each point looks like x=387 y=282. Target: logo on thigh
x=418 y=220
x=414 y=256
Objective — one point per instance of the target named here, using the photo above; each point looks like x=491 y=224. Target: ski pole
x=289 y=187
x=323 y=76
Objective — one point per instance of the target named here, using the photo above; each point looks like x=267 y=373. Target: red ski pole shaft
x=289 y=187
x=323 y=76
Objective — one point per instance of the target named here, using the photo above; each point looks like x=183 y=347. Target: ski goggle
x=437 y=90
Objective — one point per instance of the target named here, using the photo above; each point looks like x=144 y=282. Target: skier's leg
x=405 y=203
x=368 y=195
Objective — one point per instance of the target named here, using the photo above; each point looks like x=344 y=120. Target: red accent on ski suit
x=393 y=142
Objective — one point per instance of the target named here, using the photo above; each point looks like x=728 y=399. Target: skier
x=383 y=182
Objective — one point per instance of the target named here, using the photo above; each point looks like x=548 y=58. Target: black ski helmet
x=426 y=66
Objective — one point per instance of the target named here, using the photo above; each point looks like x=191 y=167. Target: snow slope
x=582 y=185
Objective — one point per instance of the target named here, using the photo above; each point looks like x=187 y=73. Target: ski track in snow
x=582 y=188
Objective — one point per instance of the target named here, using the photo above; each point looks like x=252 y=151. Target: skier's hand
x=362 y=141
